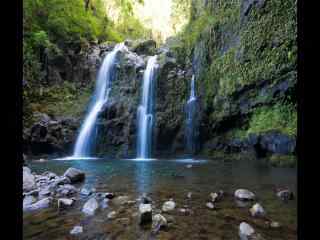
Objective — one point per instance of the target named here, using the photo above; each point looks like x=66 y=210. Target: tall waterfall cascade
x=190 y=121
x=105 y=75
x=145 y=111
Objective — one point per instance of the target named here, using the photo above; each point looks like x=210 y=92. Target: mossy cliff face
x=244 y=55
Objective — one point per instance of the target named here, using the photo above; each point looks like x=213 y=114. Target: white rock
x=85 y=192
x=29 y=182
x=189 y=195
x=210 y=205
x=65 y=202
x=90 y=206
x=43 y=203
x=244 y=194
x=168 y=206
x=76 y=230
x=189 y=166
x=158 y=221
x=214 y=196
x=112 y=215
x=145 y=213
x=257 y=210
x=28 y=200
x=245 y=231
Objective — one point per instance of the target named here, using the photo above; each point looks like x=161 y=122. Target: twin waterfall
x=145 y=111
x=100 y=97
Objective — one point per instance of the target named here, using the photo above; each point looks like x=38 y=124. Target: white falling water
x=100 y=97
x=145 y=110
x=191 y=110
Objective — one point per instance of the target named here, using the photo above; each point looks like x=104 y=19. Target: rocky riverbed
x=160 y=199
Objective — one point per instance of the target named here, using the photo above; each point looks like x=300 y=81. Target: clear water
x=101 y=95
x=170 y=178
x=145 y=110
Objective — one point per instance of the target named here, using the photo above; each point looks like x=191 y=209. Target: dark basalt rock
x=278 y=143
x=147 y=47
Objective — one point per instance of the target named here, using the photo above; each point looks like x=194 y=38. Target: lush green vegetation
x=236 y=51
x=281 y=117
x=51 y=28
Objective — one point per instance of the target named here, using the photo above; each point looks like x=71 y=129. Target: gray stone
x=244 y=194
x=43 y=203
x=90 y=206
x=75 y=175
x=76 y=230
x=28 y=200
x=29 y=182
x=112 y=215
x=245 y=231
x=65 y=202
x=145 y=213
x=66 y=190
x=257 y=210
x=285 y=194
x=168 y=206
x=214 y=197
x=158 y=222
x=274 y=224
x=210 y=205
x=85 y=191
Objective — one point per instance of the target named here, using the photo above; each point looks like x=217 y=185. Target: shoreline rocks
x=90 y=206
x=244 y=195
x=168 y=206
x=75 y=175
x=145 y=214
x=257 y=210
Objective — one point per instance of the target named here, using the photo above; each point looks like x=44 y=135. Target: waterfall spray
x=145 y=110
x=100 y=98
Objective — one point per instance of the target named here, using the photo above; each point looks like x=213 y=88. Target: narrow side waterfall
x=145 y=110
x=103 y=86
x=190 y=122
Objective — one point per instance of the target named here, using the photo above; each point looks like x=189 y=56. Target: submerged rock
x=285 y=194
x=76 y=230
x=90 y=206
x=244 y=194
x=121 y=200
x=168 y=206
x=75 y=175
x=274 y=224
x=112 y=215
x=145 y=213
x=245 y=231
x=145 y=199
x=158 y=222
x=210 y=205
x=257 y=210
x=85 y=192
x=214 y=197
x=189 y=196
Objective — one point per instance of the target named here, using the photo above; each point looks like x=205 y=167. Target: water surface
x=164 y=179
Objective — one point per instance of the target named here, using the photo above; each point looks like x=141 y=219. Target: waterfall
x=190 y=122
x=100 y=97
x=145 y=110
